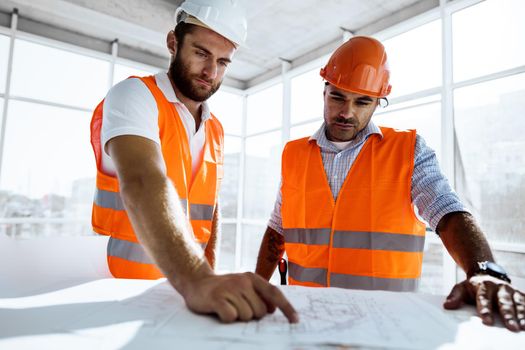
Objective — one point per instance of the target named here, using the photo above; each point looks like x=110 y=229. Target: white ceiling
x=293 y=30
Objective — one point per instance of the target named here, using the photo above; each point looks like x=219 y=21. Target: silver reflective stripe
x=378 y=241
x=109 y=200
x=201 y=211
x=307 y=235
x=128 y=250
x=198 y=211
x=373 y=283
x=184 y=204
x=307 y=274
x=203 y=245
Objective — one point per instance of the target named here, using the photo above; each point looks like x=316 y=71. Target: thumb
x=456 y=297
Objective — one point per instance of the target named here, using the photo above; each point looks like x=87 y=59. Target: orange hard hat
x=359 y=66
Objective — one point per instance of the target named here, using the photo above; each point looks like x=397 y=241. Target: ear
x=171 y=43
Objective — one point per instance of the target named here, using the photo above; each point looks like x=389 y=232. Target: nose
x=211 y=69
x=347 y=110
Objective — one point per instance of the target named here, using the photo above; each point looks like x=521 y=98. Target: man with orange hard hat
x=159 y=154
x=345 y=215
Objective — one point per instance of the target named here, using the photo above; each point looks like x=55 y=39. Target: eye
x=337 y=98
x=201 y=54
x=223 y=64
x=362 y=103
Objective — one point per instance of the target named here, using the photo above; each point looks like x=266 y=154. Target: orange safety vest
x=370 y=237
x=126 y=257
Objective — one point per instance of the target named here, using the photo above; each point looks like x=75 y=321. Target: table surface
x=132 y=314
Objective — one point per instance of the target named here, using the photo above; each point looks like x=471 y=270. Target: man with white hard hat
x=159 y=154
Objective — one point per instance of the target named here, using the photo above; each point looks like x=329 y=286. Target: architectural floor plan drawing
x=327 y=316
x=338 y=316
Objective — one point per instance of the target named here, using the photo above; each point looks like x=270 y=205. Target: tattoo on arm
x=275 y=247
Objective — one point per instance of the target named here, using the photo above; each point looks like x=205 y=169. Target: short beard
x=180 y=75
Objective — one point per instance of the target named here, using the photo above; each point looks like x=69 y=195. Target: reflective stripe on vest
x=356 y=239
x=318 y=276
x=131 y=251
x=112 y=200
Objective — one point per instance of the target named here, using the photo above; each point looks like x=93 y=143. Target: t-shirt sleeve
x=130 y=109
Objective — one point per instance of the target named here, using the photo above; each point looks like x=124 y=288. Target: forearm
x=464 y=240
x=271 y=250
x=211 y=247
x=161 y=226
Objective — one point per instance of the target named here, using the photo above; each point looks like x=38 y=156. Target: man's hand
x=488 y=294
x=235 y=297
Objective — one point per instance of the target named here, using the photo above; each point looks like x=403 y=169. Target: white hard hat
x=226 y=17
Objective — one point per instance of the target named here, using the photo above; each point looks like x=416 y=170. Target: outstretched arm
x=157 y=218
x=467 y=245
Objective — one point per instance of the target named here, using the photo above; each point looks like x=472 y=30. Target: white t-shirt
x=130 y=109
x=341 y=145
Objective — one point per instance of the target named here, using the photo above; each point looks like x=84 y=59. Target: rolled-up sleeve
x=431 y=192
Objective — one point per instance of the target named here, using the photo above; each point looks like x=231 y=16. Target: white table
x=137 y=314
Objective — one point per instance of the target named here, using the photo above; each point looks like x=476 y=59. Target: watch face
x=495 y=267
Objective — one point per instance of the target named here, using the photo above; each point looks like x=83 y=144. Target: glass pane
x=307 y=96
x=265 y=109
x=432 y=272
x=251 y=241
x=230 y=181
x=415 y=59
x=23 y=230
x=424 y=115
x=52 y=176
x=226 y=255
x=488 y=37
x=262 y=174
x=4 y=57
x=297 y=132
x=227 y=107
x=491 y=177
x=122 y=72
x=57 y=75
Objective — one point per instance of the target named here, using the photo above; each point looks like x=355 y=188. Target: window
x=307 y=97
x=424 y=115
x=265 y=109
x=122 y=72
x=432 y=270
x=489 y=126
x=226 y=248
x=230 y=182
x=54 y=75
x=415 y=59
x=52 y=176
x=4 y=57
x=227 y=107
x=262 y=174
x=251 y=241
x=488 y=37
x=303 y=130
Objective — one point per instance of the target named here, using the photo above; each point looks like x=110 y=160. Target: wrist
x=185 y=284
x=489 y=268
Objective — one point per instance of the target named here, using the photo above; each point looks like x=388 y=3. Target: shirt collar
x=164 y=84
x=320 y=136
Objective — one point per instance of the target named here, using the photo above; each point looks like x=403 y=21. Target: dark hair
x=181 y=29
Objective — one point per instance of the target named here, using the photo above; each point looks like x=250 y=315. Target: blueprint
x=134 y=314
x=327 y=316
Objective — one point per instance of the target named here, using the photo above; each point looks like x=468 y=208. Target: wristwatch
x=492 y=269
